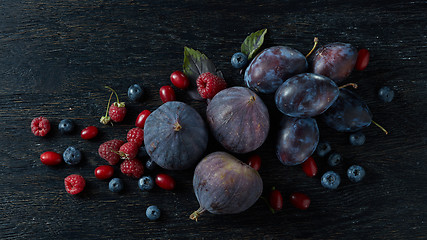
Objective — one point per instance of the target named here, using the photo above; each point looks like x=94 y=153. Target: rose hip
x=89 y=132
x=362 y=59
x=300 y=200
x=255 y=162
x=167 y=94
x=165 y=181
x=275 y=200
x=309 y=167
x=140 y=120
x=179 y=80
x=104 y=172
x=50 y=158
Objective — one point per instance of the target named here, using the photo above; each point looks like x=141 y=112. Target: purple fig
x=225 y=185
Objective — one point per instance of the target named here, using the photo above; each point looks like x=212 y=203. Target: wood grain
x=56 y=57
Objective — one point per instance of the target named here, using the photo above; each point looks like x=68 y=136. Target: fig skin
x=225 y=185
x=238 y=119
x=175 y=136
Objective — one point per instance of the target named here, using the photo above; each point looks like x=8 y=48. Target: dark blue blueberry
x=355 y=173
x=66 y=126
x=72 y=156
x=386 y=94
x=330 y=180
x=142 y=153
x=323 y=148
x=150 y=164
x=357 y=139
x=135 y=92
x=334 y=159
x=115 y=185
x=239 y=60
x=153 y=212
x=146 y=183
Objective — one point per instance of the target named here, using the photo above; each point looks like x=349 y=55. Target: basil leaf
x=253 y=43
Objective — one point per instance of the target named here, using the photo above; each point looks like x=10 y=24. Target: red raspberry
x=136 y=135
x=132 y=168
x=74 y=184
x=109 y=149
x=208 y=85
x=40 y=126
x=128 y=150
x=117 y=111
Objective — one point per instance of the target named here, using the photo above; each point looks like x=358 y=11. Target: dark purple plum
x=239 y=119
x=225 y=185
x=306 y=95
x=175 y=136
x=297 y=140
x=348 y=113
x=272 y=66
x=335 y=60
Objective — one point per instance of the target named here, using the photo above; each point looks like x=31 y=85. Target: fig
x=175 y=136
x=238 y=119
x=225 y=185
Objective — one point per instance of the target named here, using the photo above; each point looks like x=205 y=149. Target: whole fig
x=175 y=136
x=225 y=185
x=239 y=120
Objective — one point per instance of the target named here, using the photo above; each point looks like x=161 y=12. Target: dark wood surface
x=56 y=57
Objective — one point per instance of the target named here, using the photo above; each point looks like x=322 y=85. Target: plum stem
x=177 y=126
x=354 y=85
x=383 y=129
x=197 y=213
x=316 y=40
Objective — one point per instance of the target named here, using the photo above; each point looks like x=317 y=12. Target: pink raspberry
x=132 y=168
x=74 y=184
x=136 y=135
x=128 y=150
x=208 y=85
x=40 y=126
x=109 y=150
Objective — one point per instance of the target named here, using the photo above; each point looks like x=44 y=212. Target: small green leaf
x=196 y=63
x=253 y=43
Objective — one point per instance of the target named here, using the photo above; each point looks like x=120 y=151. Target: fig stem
x=197 y=213
x=383 y=129
x=177 y=126
x=354 y=85
x=315 y=44
x=251 y=99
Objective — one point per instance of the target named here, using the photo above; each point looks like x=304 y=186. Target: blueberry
x=142 y=153
x=330 y=180
x=355 y=173
x=323 y=148
x=115 y=185
x=72 y=156
x=150 y=164
x=357 y=139
x=135 y=92
x=334 y=159
x=239 y=60
x=386 y=94
x=66 y=126
x=146 y=183
x=153 y=212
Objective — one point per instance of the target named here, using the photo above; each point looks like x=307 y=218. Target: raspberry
x=117 y=111
x=132 y=168
x=74 y=184
x=136 y=135
x=128 y=150
x=40 y=126
x=109 y=149
x=208 y=85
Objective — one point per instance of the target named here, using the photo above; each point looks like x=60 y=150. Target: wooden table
x=57 y=56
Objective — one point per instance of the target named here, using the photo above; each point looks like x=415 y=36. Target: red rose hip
x=104 y=172
x=165 y=181
x=167 y=94
x=140 y=120
x=50 y=158
x=309 y=166
x=255 y=162
x=300 y=200
x=89 y=132
x=179 y=80
x=362 y=59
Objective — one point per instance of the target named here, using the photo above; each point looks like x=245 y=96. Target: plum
x=272 y=66
x=175 y=136
x=297 y=140
x=225 y=185
x=335 y=61
x=306 y=95
x=239 y=119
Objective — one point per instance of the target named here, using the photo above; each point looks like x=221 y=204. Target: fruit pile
x=175 y=136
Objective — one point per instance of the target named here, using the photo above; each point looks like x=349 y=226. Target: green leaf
x=253 y=43
x=196 y=63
